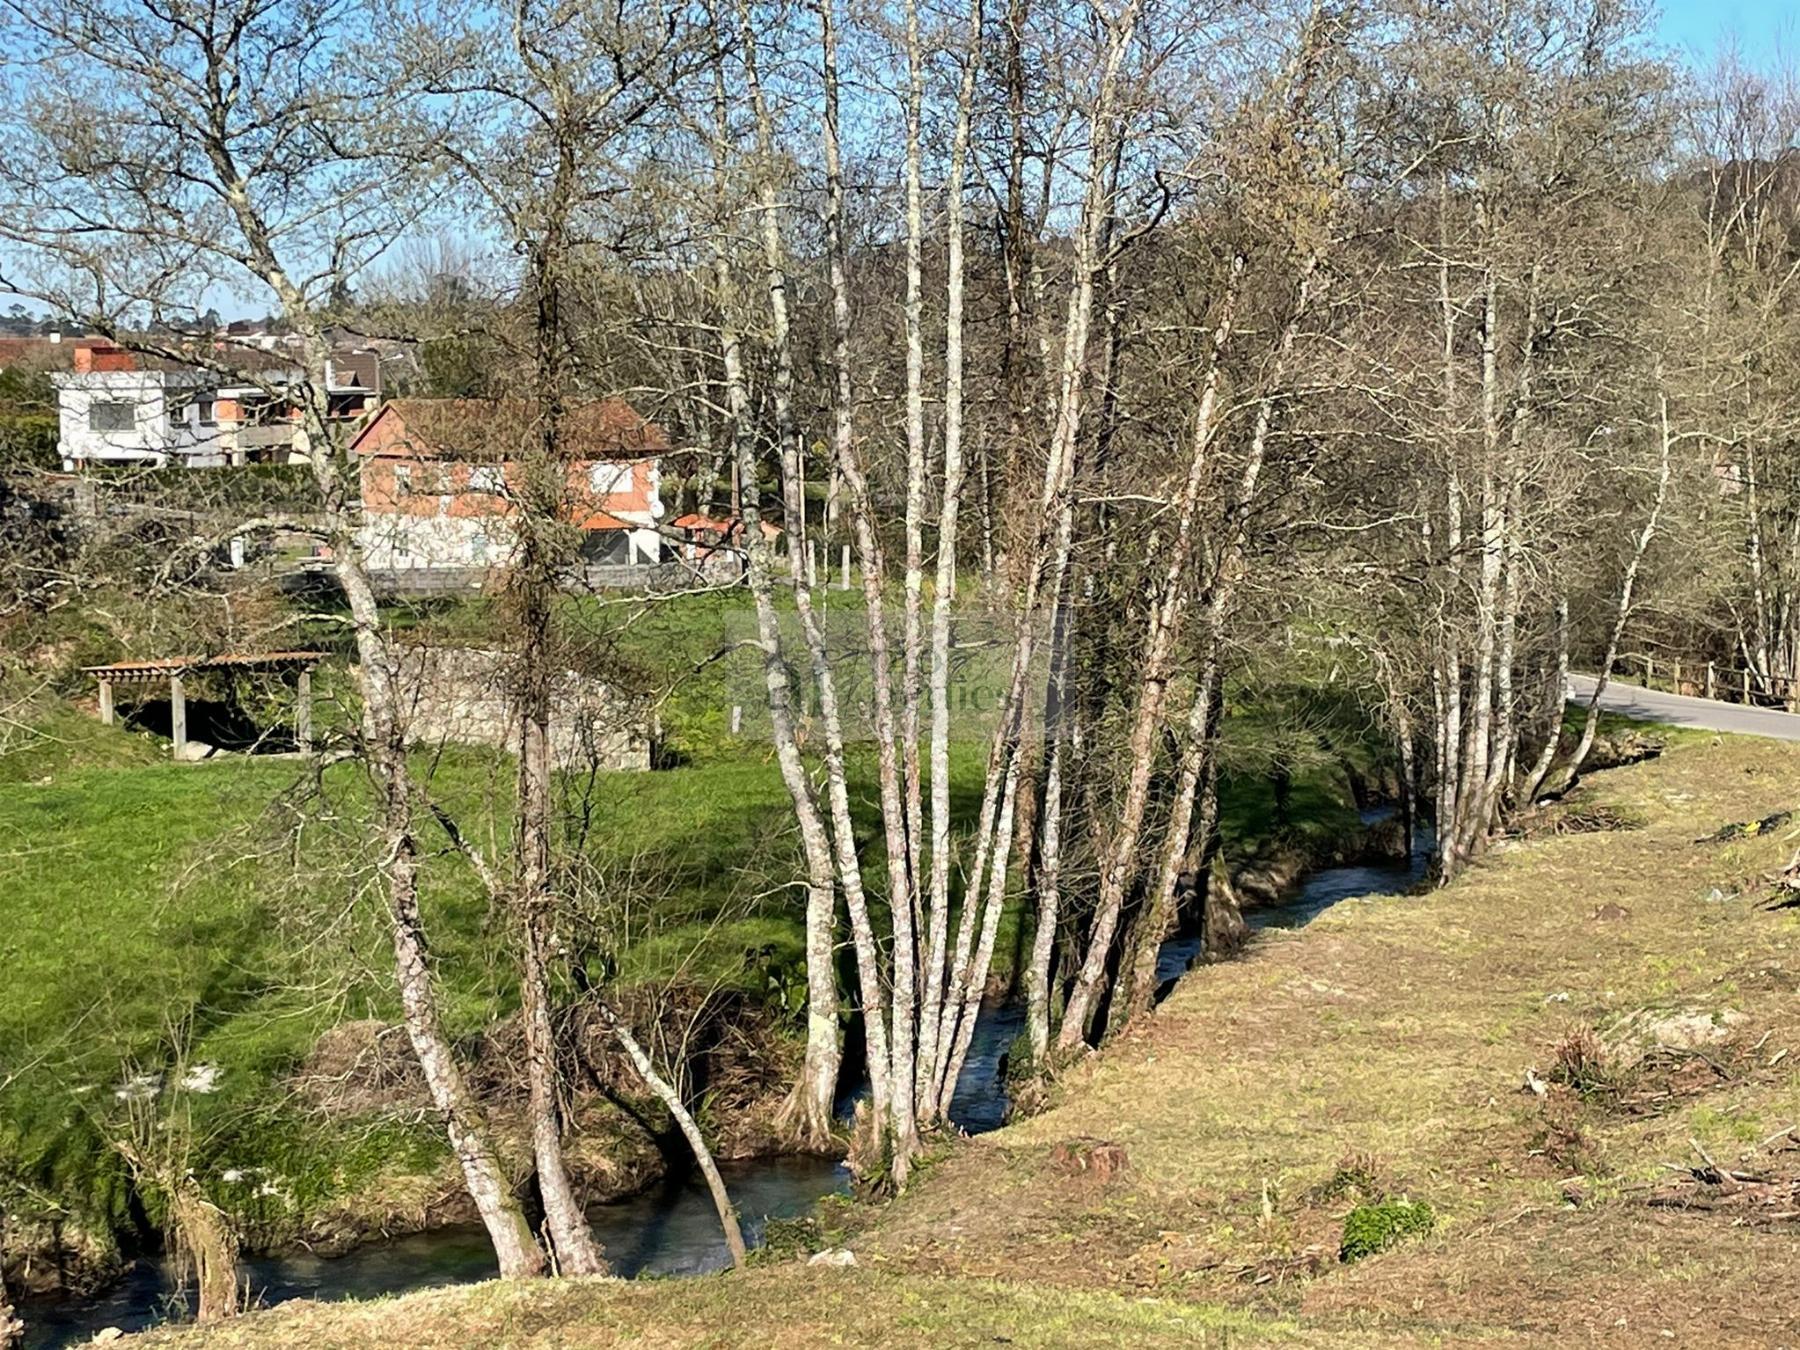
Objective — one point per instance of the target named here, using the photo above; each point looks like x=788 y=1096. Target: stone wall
x=463 y=695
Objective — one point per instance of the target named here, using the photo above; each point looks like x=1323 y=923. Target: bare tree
x=176 y=150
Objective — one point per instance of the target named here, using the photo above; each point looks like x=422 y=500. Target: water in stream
x=670 y=1229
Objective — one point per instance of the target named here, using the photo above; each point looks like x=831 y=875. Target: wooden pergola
x=176 y=670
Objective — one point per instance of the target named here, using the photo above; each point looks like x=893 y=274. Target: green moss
x=1373 y=1228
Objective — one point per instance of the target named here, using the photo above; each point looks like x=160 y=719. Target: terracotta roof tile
x=607 y=428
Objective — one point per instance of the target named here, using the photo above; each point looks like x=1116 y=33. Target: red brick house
x=436 y=479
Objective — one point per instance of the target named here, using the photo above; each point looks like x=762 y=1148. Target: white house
x=117 y=407
x=115 y=411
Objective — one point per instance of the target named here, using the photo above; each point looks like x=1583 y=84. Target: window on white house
x=112 y=417
x=402 y=479
x=205 y=411
x=486 y=478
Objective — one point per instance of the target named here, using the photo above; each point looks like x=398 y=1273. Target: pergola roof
x=123 y=672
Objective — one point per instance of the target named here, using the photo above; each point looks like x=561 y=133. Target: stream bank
x=671 y=1228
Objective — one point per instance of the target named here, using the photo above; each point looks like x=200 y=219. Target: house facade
x=116 y=407
x=437 y=477
x=113 y=410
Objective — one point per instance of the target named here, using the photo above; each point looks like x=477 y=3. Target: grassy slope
x=1398 y=1029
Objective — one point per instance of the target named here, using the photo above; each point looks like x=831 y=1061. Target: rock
x=1611 y=913
x=835 y=1256
x=1678 y=1028
x=202 y=1078
x=1258 y=885
x=1270 y=879
x=1100 y=1159
x=194 y=751
x=107 y=1335
x=1670 y=1029
x=1222 y=921
x=1385 y=842
x=68 y=1254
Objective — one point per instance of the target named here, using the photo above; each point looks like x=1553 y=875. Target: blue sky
x=1757 y=25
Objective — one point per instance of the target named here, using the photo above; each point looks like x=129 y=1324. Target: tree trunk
x=809 y=1112
x=1622 y=616
x=1121 y=858
x=665 y=1092
x=384 y=752
x=1553 y=708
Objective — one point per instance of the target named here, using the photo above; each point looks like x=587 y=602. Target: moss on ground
x=1371 y=1229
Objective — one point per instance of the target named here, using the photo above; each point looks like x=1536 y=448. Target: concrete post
x=1712 y=681
x=178 y=714
x=303 y=711
x=106 y=702
x=844 y=585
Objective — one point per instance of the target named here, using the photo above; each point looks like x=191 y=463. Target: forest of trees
x=1437 y=347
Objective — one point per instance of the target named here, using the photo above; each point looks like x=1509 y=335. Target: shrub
x=1369 y=1229
x=1581 y=1061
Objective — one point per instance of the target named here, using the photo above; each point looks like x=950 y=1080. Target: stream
x=669 y=1229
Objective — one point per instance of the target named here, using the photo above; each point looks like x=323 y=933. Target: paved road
x=1651 y=705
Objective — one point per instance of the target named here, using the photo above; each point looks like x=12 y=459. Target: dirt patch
x=1646 y=1062
x=732 y=1054
x=1095 y=1159
x=361 y=1066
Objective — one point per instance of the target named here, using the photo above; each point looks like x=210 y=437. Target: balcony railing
x=279 y=435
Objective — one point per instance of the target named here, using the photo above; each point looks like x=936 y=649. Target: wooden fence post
x=1712 y=683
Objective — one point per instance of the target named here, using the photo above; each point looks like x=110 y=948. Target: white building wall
x=161 y=431
x=402 y=542
x=399 y=542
